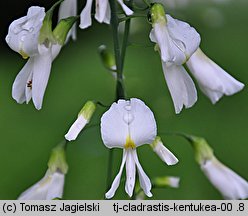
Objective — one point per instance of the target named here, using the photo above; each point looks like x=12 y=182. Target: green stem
x=125 y=42
x=120 y=92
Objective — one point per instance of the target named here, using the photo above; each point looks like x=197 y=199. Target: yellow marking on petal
x=23 y=54
x=129 y=143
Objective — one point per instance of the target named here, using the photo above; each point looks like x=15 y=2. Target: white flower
x=23 y=37
x=83 y=118
x=102 y=13
x=165 y=154
x=229 y=183
x=127 y=125
x=49 y=187
x=176 y=41
x=69 y=8
x=212 y=79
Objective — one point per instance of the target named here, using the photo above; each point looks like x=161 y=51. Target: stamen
x=29 y=84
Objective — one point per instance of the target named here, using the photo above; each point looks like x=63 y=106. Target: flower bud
x=166 y=181
x=107 y=58
x=84 y=117
x=165 y=155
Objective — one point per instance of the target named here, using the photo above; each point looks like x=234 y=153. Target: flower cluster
x=178 y=43
x=128 y=123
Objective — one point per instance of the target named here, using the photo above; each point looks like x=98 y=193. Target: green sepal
x=61 y=30
x=57 y=160
x=203 y=151
x=157 y=14
x=155 y=142
x=46 y=33
x=88 y=110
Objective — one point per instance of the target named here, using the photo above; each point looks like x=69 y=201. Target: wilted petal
x=212 y=79
x=76 y=127
x=130 y=172
x=127 y=10
x=144 y=180
x=20 y=83
x=85 y=16
x=230 y=184
x=41 y=73
x=181 y=86
x=117 y=179
x=69 y=8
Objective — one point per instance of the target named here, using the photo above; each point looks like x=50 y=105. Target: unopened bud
x=84 y=117
x=165 y=154
x=107 y=58
x=166 y=181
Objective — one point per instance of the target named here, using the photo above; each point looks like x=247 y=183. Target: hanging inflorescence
x=128 y=122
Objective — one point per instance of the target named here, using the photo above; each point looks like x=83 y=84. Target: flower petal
x=144 y=180
x=20 y=83
x=185 y=37
x=142 y=128
x=117 y=179
x=41 y=73
x=55 y=50
x=24 y=32
x=38 y=191
x=107 y=15
x=85 y=16
x=165 y=154
x=28 y=88
x=181 y=86
x=212 y=79
x=101 y=9
x=114 y=130
x=56 y=186
x=173 y=181
x=127 y=10
x=76 y=128
x=130 y=173
x=69 y=8
x=230 y=184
